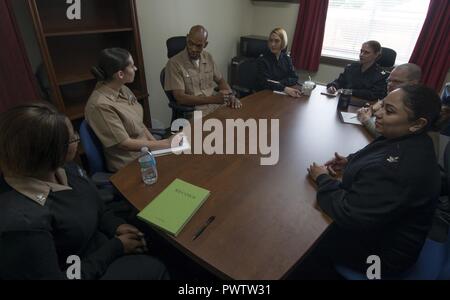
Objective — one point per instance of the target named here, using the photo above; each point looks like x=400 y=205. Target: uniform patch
x=393 y=159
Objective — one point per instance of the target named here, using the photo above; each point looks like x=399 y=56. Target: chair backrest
x=169 y=94
x=253 y=46
x=428 y=265
x=175 y=45
x=246 y=76
x=388 y=57
x=93 y=149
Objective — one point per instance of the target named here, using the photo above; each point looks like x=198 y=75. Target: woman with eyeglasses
x=114 y=113
x=365 y=78
x=385 y=202
x=51 y=215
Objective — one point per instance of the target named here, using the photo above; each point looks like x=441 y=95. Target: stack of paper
x=176 y=150
x=349 y=118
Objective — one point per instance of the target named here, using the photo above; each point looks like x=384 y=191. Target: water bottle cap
x=144 y=149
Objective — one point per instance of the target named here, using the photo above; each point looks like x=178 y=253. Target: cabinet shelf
x=72 y=78
x=65 y=32
x=70 y=48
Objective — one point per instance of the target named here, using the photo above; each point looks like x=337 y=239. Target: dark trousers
x=136 y=267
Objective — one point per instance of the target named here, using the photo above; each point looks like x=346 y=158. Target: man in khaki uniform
x=191 y=75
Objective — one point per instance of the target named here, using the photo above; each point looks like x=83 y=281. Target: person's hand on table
x=332 y=89
x=176 y=140
x=315 y=171
x=292 y=92
x=337 y=164
x=235 y=103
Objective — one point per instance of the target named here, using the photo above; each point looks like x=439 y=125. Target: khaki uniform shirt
x=38 y=190
x=114 y=117
x=183 y=74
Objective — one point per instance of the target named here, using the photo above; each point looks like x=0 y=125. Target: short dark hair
x=374 y=45
x=423 y=102
x=34 y=138
x=111 y=61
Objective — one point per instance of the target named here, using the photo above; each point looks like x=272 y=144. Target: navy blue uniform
x=37 y=240
x=370 y=85
x=281 y=70
x=385 y=202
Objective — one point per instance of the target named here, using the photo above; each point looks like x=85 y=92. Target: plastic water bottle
x=148 y=167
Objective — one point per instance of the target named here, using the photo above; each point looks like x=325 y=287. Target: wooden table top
x=266 y=216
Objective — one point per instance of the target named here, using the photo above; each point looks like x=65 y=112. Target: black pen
x=200 y=231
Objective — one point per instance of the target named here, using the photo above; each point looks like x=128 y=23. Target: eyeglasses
x=75 y=138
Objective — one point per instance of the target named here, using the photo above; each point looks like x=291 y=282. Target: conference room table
x=266 y=217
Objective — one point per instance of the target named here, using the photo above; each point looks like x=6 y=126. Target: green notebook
x=174 y=207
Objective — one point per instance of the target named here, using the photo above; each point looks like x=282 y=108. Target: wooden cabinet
x=71 y=47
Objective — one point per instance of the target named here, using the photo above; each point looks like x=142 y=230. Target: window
x=395 y=24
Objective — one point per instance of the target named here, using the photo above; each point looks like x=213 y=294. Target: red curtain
x=309 y=34
x=17 y=83
x=433 y=46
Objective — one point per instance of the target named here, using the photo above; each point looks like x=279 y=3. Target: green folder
x=174 y=207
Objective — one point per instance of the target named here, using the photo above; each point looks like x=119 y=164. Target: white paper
x=175 y=150
x=350 y=118
x=280 y=93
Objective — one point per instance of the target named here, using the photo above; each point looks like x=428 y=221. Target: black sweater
x=387 y=198
x=35 y=241
x=281 y=70
x=370 y=85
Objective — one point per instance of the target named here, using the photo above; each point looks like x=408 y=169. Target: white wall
x=269 y=15
x=159 y=20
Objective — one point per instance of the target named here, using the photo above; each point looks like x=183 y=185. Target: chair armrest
x=240 y=89
x=181 y=108
x=159 y=133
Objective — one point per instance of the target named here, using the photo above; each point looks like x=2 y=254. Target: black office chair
x=387 y=59
x=174 y=46
x=178 y=111
x=244 y=73
x=244 y=68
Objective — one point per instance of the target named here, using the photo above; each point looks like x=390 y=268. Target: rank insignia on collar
x=41 y=198
x=393 y=160
x=82 y=173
